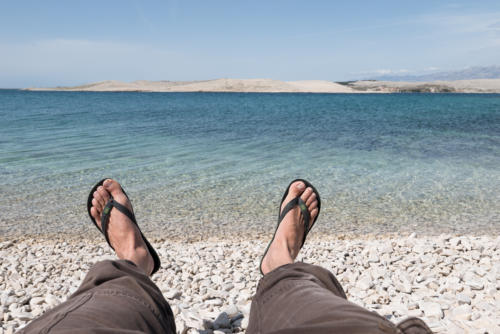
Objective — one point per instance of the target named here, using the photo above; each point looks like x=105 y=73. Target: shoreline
x=491 y=86
x=94 y=237
x=55 y=90
x=452 y=282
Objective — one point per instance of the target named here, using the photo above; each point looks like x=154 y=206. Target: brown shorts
x=117 y=297
x=114 y=297
x=303 y=298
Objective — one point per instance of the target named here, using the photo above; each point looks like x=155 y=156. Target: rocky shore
x=452 y=282
x=456 y=86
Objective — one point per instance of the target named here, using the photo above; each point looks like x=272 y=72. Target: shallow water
x=215 y=162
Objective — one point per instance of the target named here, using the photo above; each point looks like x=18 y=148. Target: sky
x=55 y=43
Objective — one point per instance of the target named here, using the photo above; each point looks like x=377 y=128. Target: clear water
x=218 y=162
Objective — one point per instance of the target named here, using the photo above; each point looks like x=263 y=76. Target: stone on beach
x=432 y=309
x=463 y=299
x=453 y=282
x=365 y=282
x=462 y=312
x=222 y=321
x=172 y=294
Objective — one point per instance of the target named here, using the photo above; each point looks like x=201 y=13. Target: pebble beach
x=451 y=282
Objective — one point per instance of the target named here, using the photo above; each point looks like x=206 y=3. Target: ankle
x=141 y=258
x=277 y=256
x=287 y=248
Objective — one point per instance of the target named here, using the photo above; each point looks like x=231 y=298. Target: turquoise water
x=218 y=162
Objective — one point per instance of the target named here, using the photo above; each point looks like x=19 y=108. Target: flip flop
x=123 y=209
x=297 y=201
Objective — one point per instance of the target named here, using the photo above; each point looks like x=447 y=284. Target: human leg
x=115 y=296
x=302 y=298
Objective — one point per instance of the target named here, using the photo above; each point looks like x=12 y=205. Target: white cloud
x=466 y=23
x=395 y=72
x=384 y=72
x=462 y=39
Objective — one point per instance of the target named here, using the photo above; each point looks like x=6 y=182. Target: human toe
x=306 y=194
x=311 y=199
x=314 y=214
x=116 y=191
x=294 y=191
x=104 y=195
x=96 y=215
x=296 y=188
x=97 y=204
x=98 y=196
x=313 y=205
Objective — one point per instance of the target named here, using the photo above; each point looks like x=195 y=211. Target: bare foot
x=124 y=235
x=288 y=238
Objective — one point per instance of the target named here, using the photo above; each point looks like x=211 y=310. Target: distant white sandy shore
x=277 y=86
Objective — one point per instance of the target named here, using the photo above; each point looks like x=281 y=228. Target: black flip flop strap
x=106 y=212
x=305 y=213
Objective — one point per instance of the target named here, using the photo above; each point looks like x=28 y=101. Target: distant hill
x=217 y=85
x=477 y=72
x=277 y=86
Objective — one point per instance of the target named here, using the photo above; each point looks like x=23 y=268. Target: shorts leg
x=303 y=298
x=115 y=296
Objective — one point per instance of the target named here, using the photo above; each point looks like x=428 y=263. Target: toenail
x=301 y=185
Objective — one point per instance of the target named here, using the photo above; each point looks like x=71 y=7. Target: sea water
x=218 y=162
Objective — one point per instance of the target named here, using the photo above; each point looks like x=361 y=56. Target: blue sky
x=48 y=43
